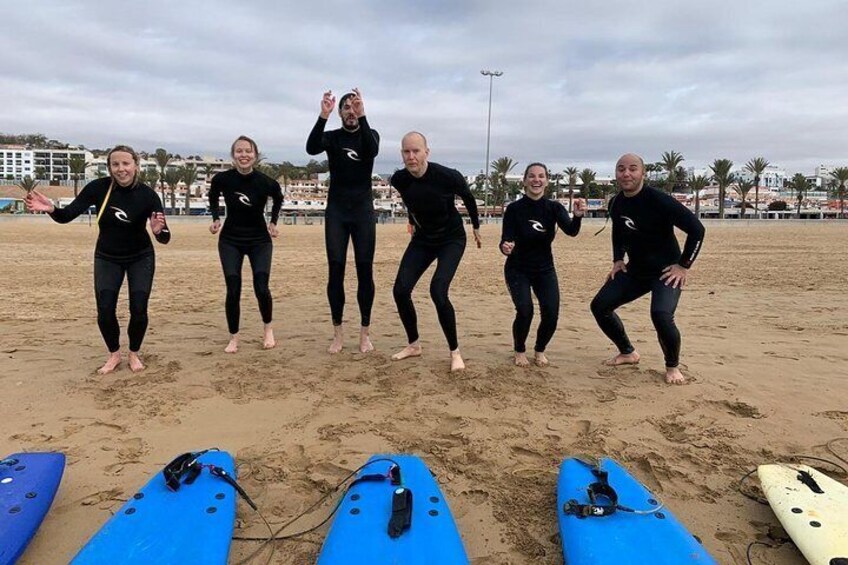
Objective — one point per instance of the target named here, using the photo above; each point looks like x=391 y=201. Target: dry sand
x=764 y=328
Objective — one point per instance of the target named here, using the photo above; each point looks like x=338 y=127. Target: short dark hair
x=247 y=139
x=345 y=97
x=531 y=165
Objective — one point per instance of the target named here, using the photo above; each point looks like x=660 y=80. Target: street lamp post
x=491 y=75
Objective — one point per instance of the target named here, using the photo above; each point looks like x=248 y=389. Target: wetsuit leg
x=140 y=281
x=108 y=278
x=518 y=284
x=449 y=255
x=260 y=256
x=364 y=236
x=546 y=287
x=622 y=289
x=415 y=261
x=336 y=238
x=232 y=259
x=664 y=301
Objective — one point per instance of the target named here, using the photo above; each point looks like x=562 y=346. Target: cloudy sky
x=583 y=81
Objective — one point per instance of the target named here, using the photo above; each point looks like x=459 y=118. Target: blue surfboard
x=622 y=537
x=359 y=533
x=28 y=483
x=191 y=525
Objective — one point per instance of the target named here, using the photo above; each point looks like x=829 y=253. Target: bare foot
x=365 y=344
x=521 y=359
x=135 y=363
x=338 y=339
x=411 y=350
x=623 y=359
x=457 y=364
x=542 y=359
x=232 y=347
x=111 y=364
x=268 y=341
x=673 y=376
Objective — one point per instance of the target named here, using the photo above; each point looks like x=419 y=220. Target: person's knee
x=662 y=318
x=107 y=302
x=524 y=310
x=260 y=284
x=439 y=293
x=138 y=303
x=401 y=291
x=549 y=312
x=599 y=307
x=233 y=283
x=364 y=270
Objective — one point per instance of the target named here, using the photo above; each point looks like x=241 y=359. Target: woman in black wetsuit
x=529 y=228
x=246 y=192
x=124 y=206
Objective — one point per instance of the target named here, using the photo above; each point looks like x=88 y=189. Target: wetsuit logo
x=243 y=198
x=352 y=154
x=537 y=225
x=120 y=214
x=629 y=223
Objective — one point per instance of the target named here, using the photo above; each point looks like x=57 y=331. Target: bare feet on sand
x=365 y=344
x=457 y=364
x=111 y=364
x=623 y=359
x=673 y=376
x=232 y=347
x=411 y=350
x=542 y=359
x=268 y=341
x=135 y=363
x=521 y=359
x=338 y=339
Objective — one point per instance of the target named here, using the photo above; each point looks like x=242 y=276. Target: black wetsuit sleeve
x=569 y=225
x=214 y=196
x=316 y=142
x=277 y=201
x=687 y=222
x=617 y=239
x=370 y=139
x=86 y=199
x=163 y=236
x=461 y=189
x=508 y=227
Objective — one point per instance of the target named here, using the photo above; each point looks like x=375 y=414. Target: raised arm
x=317 y=141
x=570 y=226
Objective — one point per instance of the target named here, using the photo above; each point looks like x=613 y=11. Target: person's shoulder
x=223 y=176
x=400 y=178
x=99 y=184
x=446 y=172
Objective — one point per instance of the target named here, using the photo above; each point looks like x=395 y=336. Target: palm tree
x=801 y=185
x=697 y=185
x=501 y=167
x=162 y=159
x=77 y=165
x=670 y=161
x=744 y=186
x=208 y=172
x=840 y=175
x=28 y=184
x=587 y=177
x=172 y=179
x=756 y=167
x=555 y=178
x=572 y=182
x=150 y=177
x=722 y=176
x=189 y=176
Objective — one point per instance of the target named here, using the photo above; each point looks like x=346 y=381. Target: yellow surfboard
x=813 y=509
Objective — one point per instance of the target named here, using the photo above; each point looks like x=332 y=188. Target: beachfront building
x=52 y=165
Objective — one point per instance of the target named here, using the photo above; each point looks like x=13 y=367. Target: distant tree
x=208 y=172
x=77 y=165
x=840 y=176
x=501 y=167
x=670 y=161
x=189 y=176
x=724 y=178
x=162 y=159
x=757 y=167
x=778 y=205
x=698 y=184
x=744 y=186
x=28 y=184
x=587 y=178
x=40 y=173
x=172 y=179
x=572 y=183
x=150 y=177
x=801 y=186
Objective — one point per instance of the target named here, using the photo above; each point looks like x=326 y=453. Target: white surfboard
x=813 y=509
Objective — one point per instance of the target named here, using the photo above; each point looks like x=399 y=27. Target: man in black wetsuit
x=350 y=208
x=438 y=234
x=643 y=222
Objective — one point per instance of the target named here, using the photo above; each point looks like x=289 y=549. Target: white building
x=18 y=161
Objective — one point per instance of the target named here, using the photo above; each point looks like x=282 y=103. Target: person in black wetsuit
x=124 y=206
x=350 y=208
x=246 y=192
x=643 y=222
x=428 y=191
x=529 y=228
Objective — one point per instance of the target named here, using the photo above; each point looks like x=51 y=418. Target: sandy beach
x=765 y=344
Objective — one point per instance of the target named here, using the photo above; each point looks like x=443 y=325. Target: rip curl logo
x=243 y=198
x=537 y=225
x=629 y=223
x=120 y=214
x=352 y=154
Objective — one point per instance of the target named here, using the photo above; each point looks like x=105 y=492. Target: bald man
x=643 y=222
x=428 y=191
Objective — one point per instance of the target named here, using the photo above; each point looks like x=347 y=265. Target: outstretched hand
x=477 y=238
x=157 y=222
x=357 y=104
x=37 y=202
x=674 y=276
x=579 y=208
x=328 y=102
